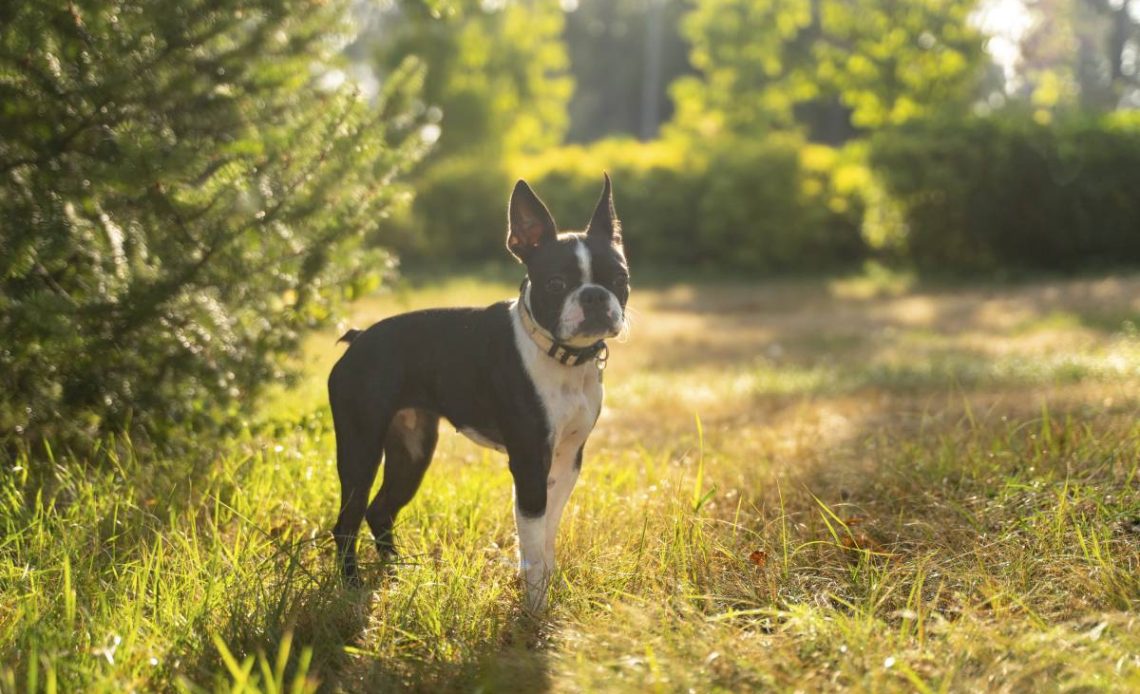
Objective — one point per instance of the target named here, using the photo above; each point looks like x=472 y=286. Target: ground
x=823 y=484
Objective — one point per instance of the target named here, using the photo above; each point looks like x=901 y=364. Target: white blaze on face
x=583 y=254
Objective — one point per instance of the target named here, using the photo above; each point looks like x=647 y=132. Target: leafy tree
x=1047 y=66
x=496 y=71
x=884 y=61
x=894 y=60
x=497 y=85
x=1122 y=45
x=1078 y=54
x=179 y=200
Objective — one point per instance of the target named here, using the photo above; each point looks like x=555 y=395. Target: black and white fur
x=482 y=371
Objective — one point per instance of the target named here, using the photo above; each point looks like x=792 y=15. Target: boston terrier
x=523 y=377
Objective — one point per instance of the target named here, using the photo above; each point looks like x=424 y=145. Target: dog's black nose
x=593 y=296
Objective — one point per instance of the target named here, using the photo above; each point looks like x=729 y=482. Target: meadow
x=865 y=483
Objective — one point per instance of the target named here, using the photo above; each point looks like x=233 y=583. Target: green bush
x=740 y=206
x=990 y=194
x=773 y=206
x=178 y=202
x=459 y=212
x=655 y=193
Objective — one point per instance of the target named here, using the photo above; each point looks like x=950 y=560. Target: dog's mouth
x=592 y=329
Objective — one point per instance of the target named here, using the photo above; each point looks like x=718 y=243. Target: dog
x=523 y=377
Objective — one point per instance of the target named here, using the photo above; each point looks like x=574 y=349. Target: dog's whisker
x=625 y=330
x=629 y=315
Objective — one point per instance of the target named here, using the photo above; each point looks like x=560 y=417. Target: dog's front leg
x=559 y=484
x=529 y=474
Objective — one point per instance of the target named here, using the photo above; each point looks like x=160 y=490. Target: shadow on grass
x=989 y=494
x=513 y=657
x=333 y=631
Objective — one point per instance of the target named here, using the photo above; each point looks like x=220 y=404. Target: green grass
x=796 y=485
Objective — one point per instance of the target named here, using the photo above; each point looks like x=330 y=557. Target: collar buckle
x=602 y=357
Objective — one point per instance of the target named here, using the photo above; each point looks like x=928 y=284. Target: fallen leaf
x=758 y=557
x=855 y=520
x=861 y=541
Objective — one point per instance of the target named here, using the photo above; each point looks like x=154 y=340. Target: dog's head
x=579 y=281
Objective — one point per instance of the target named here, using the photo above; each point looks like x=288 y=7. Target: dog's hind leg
x=408 y=451
x=361 y=418
x=357 y=458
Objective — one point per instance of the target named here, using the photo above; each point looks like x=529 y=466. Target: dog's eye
x=556 y=285
x=620 y=282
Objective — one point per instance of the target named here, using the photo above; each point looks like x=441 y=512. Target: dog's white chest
x=570 y=395
x=572 y=398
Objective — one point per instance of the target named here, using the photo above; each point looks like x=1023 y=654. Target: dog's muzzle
x=591 y=313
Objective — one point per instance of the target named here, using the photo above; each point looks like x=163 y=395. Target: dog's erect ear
x=605 y=224
x=530 y=223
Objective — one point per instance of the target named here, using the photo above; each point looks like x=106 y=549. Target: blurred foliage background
x=189 y=185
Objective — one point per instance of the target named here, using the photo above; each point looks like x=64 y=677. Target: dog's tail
x=349 y=336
